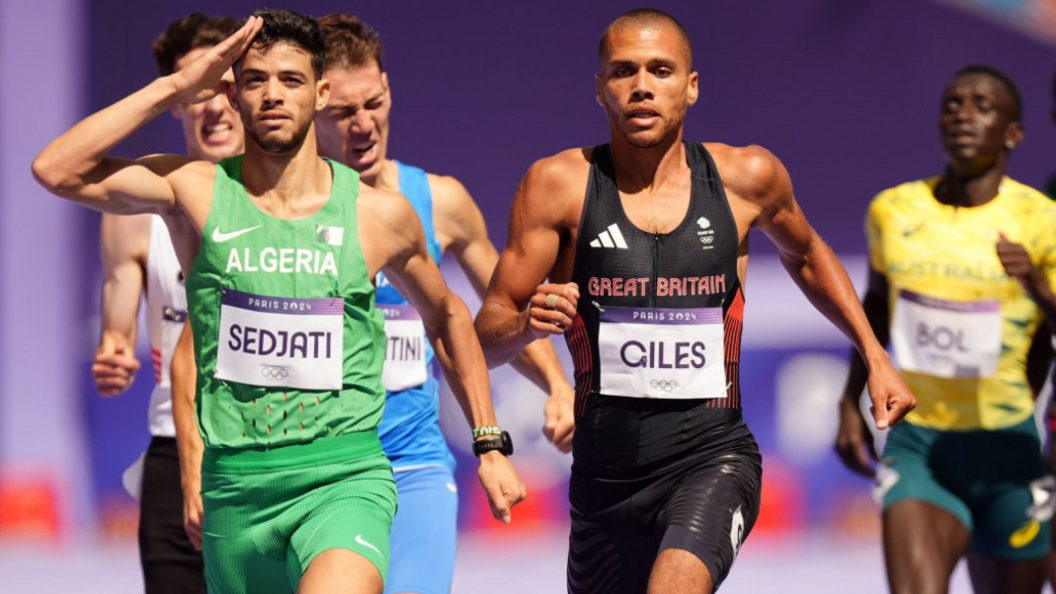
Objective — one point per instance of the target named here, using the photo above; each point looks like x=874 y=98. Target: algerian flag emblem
x=330 y=235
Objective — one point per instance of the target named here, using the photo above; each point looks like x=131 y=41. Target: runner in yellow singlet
x=962 y=270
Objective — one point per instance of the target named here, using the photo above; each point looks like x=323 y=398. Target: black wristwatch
x=503 y=443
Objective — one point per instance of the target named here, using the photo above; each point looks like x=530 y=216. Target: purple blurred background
x=845 y=92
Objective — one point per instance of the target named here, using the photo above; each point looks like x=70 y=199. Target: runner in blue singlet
x=353 y=129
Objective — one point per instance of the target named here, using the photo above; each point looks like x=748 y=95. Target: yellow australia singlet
x=960 y=326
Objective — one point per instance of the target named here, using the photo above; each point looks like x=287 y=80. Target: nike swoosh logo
x=221 y=237
x=359 y=539
x=912 y=230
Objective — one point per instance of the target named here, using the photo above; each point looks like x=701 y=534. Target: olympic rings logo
x=274 y=373
x=707 y=239
x=665 y=385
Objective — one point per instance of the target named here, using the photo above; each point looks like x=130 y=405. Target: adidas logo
x=611 y=238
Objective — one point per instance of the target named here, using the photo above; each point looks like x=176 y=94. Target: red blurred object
x=539 y=512
x=29 y=508
x=782 y=499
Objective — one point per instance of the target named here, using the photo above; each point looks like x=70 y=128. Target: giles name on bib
x=662 y=353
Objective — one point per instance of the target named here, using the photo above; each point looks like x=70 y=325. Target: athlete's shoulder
x=751 y=172
x=1028 y=195
x=387 y=216
x=454 y=210
x=192 y=179
x=1035 y=209
x=447 y=192
x=917 y=189
x=751 y=158
x=447 y=189
x=565 y=167
x=552 y=191
x=383 y=206
x=179 y=166
x=909 y=198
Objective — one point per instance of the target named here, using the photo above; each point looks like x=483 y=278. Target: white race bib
x=405 y=361
x=662 y=353
x=946 y=338
x=281 y=342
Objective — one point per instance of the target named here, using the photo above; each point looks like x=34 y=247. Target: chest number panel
x=662 y=353
x=281 y=342
x=405 y=357
x=951 y=339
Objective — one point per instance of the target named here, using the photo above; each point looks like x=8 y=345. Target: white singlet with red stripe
x=166 y=312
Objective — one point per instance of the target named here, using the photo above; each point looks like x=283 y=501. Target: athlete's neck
x=646 y=169
x=286 y=178
x=971 y=184
x=386 y=177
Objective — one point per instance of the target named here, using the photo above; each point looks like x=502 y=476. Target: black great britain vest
x=656 y=340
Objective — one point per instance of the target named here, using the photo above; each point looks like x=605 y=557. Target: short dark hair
x=644 y=17
x=1004 y=79
x=284 y=26
x=350 y=43
x=189 y=33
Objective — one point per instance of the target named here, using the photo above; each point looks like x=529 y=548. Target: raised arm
x=462 y=225
x=77 y=165
x=516 y=311
x=393 y=241
x=764 y=184
x=123 y=247
x=184 y=378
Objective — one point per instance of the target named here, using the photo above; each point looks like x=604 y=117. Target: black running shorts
x=706 y=506
x=170 y=563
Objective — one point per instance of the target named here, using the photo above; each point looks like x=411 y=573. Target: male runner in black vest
x=647 y=268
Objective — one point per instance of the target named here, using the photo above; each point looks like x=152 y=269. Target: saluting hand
x=202 y=79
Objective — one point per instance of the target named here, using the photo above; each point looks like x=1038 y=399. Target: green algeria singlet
x=288 y=342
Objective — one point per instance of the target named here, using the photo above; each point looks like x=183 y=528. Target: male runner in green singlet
x=298 y=494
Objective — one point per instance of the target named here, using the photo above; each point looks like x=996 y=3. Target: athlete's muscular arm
x=460 y=226
x=123 y=242
x=184 y=376
x=76 y=165
x=763 y=185
x=393 y=241
x=854 y=441
x=515 y=313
